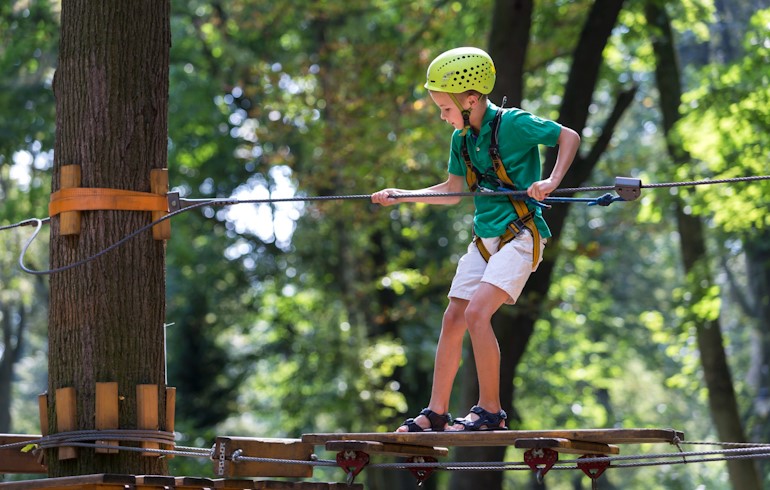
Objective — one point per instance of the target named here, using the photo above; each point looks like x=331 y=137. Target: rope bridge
x=269 y=457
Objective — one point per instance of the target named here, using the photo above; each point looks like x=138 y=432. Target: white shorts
x=508 y=269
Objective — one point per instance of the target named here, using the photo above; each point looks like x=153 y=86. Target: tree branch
x=622 y=102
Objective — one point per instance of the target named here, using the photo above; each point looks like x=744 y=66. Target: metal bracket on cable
x=628 y=188
x=174 y=203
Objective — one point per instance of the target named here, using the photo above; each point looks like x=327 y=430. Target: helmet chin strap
x=466 y=113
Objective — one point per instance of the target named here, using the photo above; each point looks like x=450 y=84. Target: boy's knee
x=454 y=316
x=476 y=317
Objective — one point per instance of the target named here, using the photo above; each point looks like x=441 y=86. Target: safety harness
x=524 y=216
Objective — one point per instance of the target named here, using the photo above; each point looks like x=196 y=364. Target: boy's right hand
x=383 y=197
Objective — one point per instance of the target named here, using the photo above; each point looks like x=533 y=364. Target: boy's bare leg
x=486 y=350
x=448 y=355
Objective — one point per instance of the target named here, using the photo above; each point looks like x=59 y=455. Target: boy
x=509 y=235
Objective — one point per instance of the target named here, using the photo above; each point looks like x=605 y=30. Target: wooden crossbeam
x=12 y=460
x=194 y=483
x=290 y=449
x=503 y=437
x=567 y=446
x=83 y=482
x=392 y=449
x=154 y=482
x=236 y=484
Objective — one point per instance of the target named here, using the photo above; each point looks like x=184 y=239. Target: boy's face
x=449 y=110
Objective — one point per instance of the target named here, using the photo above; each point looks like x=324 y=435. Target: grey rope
x=27 y=222
x=75 y=439
x=197 y=203
x=133 y=435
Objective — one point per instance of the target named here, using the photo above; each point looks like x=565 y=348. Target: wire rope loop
x=236 y=456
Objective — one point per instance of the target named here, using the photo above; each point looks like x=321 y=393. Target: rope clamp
x=593 y=469
x=174 y=203
x=352 y=463
x=628 y=188
x=541 y=460
x=421 y=473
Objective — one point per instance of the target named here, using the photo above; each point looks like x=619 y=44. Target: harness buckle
x=519 y=225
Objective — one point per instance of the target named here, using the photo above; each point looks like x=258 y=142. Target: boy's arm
x=454 y=183
x=568 y=142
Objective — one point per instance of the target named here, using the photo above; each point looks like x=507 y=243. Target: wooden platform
x=239 y=460
x=502 y=438
x=13 y=460
x=130 y=482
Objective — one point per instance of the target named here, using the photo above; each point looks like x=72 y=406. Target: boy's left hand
x=542 y=189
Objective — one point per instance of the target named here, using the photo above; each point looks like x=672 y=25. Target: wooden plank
x=12 y=460
x=285 y=485
x=69 y=221
x=194 y=483
x=107 y=412
x=154 y=482
x=567 y=446
x=290 y=449
x=502 y=437
x=66 y=418
x=147 y=413
x=159 y=185
x=236 y=484
x=170 y=415
x=42 y=408
x=83 y=482
x=387 y=448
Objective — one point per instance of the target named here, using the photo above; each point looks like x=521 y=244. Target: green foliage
x=726 y=129
x=28 y=47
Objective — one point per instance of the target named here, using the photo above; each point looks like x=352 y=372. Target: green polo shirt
x=519 y=137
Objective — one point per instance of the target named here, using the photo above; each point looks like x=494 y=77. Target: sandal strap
x=437 y=420
x=486 y=418
x=411 y=425
x=496 y=417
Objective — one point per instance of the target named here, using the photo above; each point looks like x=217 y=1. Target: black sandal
x=486 y=420
x=437 y=421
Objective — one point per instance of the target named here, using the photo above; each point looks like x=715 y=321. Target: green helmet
x=461 y=69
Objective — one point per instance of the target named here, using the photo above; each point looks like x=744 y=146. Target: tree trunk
x=12 y=342
x=758 y=267
x=515 y=325
x=508 y=43
x=106 y=317
x=722 y=402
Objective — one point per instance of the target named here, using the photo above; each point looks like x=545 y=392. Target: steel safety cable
x=191 y=204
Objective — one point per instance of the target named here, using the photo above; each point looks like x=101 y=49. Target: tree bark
x=508 y=44
x=13 y=335
x=514 y=326
x=721 y=394
x=106 y=317
x=758 y=267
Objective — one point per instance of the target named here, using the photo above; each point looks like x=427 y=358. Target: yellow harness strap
x=525 y=216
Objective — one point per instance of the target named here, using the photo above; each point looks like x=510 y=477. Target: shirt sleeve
x=456 y=164
x=532 y=130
